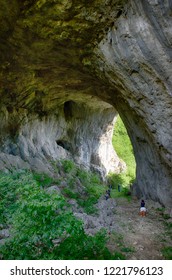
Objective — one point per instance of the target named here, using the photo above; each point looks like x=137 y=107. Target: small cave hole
x=64 y=144
x=119 y=13
x=69 y=110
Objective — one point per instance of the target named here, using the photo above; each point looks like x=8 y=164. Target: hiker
x=142 y=208
x=119 y=188
x=108 y=192
x=107 y=195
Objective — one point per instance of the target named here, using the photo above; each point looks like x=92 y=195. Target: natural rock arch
x=136 y=58
x=115 y=51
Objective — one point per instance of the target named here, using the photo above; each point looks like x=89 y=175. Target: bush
x=42 y=225
x=43 y=179
x=167 y=252
x=90 y=185
x=68 y=166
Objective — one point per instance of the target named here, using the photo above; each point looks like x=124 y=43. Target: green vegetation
x=86 y=187
x=125 y=192
x=123 y=147
x=118 y=240
x=42 y=225
x=167 y=252
x=44 y=180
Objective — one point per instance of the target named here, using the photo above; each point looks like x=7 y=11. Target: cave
x=113 y=56
x=68 y=110
x=64 y=144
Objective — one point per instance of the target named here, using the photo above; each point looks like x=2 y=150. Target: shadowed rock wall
x=48 y=109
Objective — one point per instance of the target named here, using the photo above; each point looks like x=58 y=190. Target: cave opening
x=123 y=147
x=64 y=144
x=68 y=109
x=99 y=139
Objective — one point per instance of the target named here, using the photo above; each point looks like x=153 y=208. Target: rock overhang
x=53 y=52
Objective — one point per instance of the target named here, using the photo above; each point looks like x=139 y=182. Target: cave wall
x=75 y=131
x=136 y=59
x=44 y=45
x=54 y=52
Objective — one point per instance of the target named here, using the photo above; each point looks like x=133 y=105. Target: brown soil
x=144 y=237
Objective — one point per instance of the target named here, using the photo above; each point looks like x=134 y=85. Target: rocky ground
x=140 y=238
x=145 y=235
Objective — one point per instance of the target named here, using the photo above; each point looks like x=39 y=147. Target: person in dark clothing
x=108 y=192
x=142 y=203
x=107 y=195
x=142 y=208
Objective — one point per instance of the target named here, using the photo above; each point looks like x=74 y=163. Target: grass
x=44 y=180
x=165 y=218
x=124 y=150
x=118 y=241
x=68 y=166
x=123 y=193
x=123 y=146
x=36 y=218
x=83 y=186
x=167 y=252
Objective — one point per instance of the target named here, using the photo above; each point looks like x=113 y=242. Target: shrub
x=90 y=184
x=43 y=179
x=42 y=225
x=68 y=166
x=167 y=252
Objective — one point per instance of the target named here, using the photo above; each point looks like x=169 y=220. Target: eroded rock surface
x=58 y=55
x=136 y=59
x=77 y=131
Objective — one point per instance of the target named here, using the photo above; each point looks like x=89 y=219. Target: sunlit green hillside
x=123 y=147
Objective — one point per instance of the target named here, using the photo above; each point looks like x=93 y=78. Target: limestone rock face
x=136 y=59
x=66 y=64
x=78 y=131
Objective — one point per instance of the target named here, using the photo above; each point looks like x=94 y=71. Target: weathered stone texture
x=78 y=131
x=55 y=52
x=136 y=59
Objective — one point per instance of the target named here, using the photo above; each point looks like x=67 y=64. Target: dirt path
x=143 y=236
x=138 y=238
